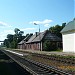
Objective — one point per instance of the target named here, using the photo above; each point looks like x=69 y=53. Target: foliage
x=13 y=40
x=6 y=43
x=56 y=29
x=49 y=46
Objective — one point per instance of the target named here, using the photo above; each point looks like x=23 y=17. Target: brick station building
x=36 y=41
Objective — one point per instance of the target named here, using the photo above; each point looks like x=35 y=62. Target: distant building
x=68 y=35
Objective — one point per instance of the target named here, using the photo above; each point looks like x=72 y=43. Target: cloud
x=46 y=21
x=3 y=24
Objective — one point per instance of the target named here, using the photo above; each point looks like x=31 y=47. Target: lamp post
x=39 y=36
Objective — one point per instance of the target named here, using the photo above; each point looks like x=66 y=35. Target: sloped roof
x=21 y=42
x=25 y=39
x=52 y=37
x=70 y=26
x=38 y=38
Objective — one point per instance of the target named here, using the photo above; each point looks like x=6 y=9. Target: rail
x=35 y=68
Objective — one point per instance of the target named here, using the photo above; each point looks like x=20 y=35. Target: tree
x=56 y=29
x=13 y=40
x=63 y=25
x=10 y=37
x=17 y=37
x=21 y=33
x=6 y=43
x=16 y=30
x=18 y=33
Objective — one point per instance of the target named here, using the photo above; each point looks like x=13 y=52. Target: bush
x=49 y=46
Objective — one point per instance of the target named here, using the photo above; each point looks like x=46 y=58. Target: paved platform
x=49 y=53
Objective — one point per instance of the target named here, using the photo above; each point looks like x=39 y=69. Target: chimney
x=36 y=33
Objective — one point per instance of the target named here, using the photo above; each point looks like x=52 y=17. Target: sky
x=23 y=14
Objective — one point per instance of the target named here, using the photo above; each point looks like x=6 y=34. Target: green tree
x=13 y=40
x=10 y=37
x=16 y=30
x=18 y=36
x=6 y=43
x=56 y=29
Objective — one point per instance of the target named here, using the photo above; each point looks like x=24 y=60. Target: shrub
x=49 y=46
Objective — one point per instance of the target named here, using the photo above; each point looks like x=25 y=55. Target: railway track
x=60 y=58
x=67 y=60
x=35 y=68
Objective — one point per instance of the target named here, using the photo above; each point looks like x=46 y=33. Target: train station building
x=36 y=41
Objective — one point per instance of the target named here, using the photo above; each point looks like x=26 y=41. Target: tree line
x=13 y=40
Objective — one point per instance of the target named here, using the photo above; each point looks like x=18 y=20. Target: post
x=39 y=36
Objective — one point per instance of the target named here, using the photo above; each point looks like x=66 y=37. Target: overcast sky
x=23 y=14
